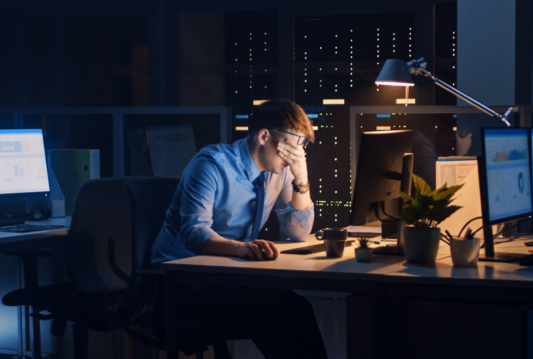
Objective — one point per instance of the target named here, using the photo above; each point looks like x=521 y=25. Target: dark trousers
x=280 y=322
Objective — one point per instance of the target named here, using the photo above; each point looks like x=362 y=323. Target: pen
x=450 y=237
x=468 y=234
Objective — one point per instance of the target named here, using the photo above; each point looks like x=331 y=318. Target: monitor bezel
x=485 y=208
x=488 y=236
x=32 y=194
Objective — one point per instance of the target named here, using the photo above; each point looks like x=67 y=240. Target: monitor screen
x=507 y=173
x=23 y=163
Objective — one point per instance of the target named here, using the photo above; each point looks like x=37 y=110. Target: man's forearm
x=256 y=249
x=301 y=201
x=221 y=246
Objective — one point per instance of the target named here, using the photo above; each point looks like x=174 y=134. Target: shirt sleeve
x=296 y=225
x=196 y=210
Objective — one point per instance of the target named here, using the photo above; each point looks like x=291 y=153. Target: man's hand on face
x=294 y=155
x=258 y=249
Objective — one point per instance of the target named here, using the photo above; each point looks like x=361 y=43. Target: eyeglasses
x=302 y=140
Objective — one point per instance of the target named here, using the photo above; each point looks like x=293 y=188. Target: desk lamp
x=398 y=73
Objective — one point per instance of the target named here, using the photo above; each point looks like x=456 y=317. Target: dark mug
x=334 y=240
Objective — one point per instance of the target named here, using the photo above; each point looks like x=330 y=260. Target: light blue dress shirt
x=216 y=197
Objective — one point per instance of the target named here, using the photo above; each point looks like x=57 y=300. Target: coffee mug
x=334 y=240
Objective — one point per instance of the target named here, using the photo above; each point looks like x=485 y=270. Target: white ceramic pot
x=421 y=245
x=465 y=252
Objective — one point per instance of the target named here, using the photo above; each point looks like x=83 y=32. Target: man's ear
x=263 y=135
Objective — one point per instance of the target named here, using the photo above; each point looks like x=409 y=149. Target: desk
x=33 y=241
x=10 y=241
x=396 y=310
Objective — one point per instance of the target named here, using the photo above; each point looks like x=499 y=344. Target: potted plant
x=363 y=253
x=423 y=214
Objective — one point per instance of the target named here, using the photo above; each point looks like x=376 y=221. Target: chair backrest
x=150 y=199
x=101 y=211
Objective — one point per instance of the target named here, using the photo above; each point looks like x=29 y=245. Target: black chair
x=100 y=220
x=150 y=198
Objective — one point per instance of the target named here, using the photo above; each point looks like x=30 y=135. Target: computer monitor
x=504 y=182
x=384 y=167
x=23 y=164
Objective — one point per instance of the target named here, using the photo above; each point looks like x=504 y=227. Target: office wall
x=494 y=51
x=494 y=60
x=201 y=67
x=486 y=47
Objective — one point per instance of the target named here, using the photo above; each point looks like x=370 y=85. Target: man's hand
x=294 y=155
x=257 y=249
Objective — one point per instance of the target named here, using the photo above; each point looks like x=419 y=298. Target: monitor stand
x=405 y=186
x=490 y=255
x=390 y=230
x=501 y=257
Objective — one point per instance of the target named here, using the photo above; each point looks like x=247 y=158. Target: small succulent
x=363 y=242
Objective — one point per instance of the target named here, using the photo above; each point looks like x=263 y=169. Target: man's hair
x=280 y=114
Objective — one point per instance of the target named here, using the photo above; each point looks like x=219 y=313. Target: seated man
x=224 y=197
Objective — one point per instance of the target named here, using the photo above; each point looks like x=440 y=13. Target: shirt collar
x=250 y=168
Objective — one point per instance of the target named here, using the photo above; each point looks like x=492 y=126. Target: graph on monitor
x=508 y=174
x=22 y=162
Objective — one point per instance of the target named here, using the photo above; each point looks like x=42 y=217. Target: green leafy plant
x=428 y=208
x=363 y=242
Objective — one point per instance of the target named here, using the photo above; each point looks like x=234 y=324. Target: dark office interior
x=102 y=74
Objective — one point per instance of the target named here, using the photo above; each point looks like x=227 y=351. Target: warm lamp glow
x=395 y=73
x=386 y=83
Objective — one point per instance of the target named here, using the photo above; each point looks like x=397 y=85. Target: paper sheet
x=171 y=148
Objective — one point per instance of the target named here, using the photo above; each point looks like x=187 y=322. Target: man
x=213 y=212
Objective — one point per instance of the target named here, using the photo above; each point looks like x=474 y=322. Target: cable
x=376 y=212
x=477 y=230
x=505 y=228
x=385 y=213
x=466 y=224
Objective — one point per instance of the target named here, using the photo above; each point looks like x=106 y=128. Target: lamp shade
x=395 y=73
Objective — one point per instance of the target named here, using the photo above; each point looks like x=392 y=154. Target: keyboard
x=4 y=222
x=364 y=234
x=22 y=228
x=314 y=248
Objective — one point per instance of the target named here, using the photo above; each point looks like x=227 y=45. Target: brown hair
x=280 y=114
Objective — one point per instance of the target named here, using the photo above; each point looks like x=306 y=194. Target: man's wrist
x=300 y=187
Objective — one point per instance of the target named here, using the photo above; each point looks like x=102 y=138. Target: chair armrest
x=111 y=259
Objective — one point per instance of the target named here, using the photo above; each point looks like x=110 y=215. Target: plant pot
x=465 y=252
x=363 y=254
x=421 y=245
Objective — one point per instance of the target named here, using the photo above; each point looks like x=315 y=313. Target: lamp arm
x=465 y=97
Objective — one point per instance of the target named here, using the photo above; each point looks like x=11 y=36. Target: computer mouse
x=526 y=260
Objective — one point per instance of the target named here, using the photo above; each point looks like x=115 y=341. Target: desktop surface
x=11 y=240
x=382 y=268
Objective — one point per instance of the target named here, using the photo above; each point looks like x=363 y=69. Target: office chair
x=101 y=213
x=150 y=199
